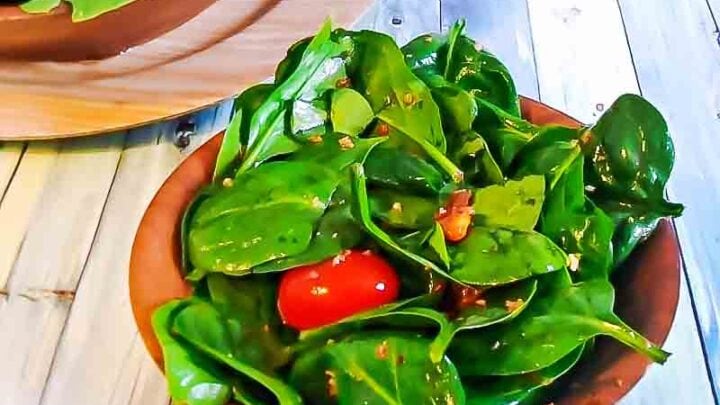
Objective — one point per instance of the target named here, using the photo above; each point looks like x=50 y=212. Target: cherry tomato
x=320 y=294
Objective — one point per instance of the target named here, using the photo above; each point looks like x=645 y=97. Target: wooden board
x=230 y=45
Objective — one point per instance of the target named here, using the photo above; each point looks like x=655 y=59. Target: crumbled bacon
x=456 y=217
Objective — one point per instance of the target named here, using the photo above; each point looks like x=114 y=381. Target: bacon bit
x=383 y=129
x=397 y=207
x=343 y=83
x=381 y=351
x=400 y=360
x=266 y=328
x=315 y=138
x=228 y=182
x=346 y=143
x=331 y=384
x=512 y=305
x=408 y=99
x=464 y=297
x=456 y=217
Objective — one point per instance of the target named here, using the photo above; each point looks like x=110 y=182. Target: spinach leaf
x=403 y=211
x=269 y=213
x=192 y=378
x=230 y=148
x=361 y=208
x=558 y=320
x=266 y=125
x=496 y=256
x=514 y=205
x=337 y=152
x=498 y=305
x=83 y=10
x=505 y=133
x=550 y=153
x=436 y=243
x=378 y=368
x=308 y=118
x=200 y=324
x=350 y=112
x=518 y=389
x=185 y=225
x=397 y=169
x=472 y=154
x=398 y=97
x=581 y=229
x=248 y=307
x=630 y=159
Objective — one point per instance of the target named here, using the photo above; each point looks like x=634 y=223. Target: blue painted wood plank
x=502 y=27
x=676 y=54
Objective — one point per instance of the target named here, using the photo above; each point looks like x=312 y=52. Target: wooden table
x=69 y=209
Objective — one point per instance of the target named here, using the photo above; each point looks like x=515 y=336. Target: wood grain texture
x=55 y=245
x=232 y=44
x=100 y=358
x=584 y=64
x=503 y=28
x=679 y=72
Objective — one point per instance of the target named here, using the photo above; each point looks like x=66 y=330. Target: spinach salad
x=385 y=228
x=83 y=10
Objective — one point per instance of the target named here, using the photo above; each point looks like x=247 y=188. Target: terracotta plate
x=229 y=45
x=53 y=36
x=653 y=274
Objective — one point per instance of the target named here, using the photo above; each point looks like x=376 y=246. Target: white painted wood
x=101 y=358
x=584 y=64
x=56 y=238
x=403 y=19
x=715 y=8
x=583 y=61
x=10 y=154
x=502 y=27
x=679 y=71
x=19 y=201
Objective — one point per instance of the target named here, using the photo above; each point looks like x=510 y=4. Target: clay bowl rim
x=158 y=236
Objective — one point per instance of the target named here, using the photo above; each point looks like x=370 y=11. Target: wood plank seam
x=15 y=169
x=532 y=48
x=82 y=272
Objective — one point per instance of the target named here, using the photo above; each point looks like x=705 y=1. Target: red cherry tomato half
x=320 y=294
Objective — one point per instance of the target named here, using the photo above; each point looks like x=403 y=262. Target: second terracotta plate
x=653 y=273
x=215 y=55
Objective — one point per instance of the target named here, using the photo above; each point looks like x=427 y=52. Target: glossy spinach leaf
x=362 y=212
x=248 y=307
x=500 y=304
x=558 y=320
x=497 y=256
x=403 y=211
x=336 y=232
x=378 y=368
x=231 y=147
x=550 y=153
x=269 y=213
x=437 y=244
x=308 y=118
x=350 y=112
x=398 y=97
x=518 y=389
x=202 y=325
x=472 y=155
x=185 y=224
x=192 y=378
x=83 y=10
x=337 y=152
x=266 y=125
x=631 y=157
x=397 y=169
x=580 y=228
x=505 y=133
x=514 y=205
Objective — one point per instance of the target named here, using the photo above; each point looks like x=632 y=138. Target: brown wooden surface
x=647 y=292
x=230 y=45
